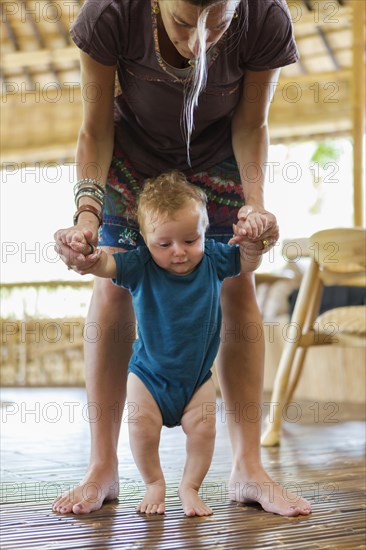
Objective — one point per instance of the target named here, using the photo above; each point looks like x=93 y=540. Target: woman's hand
x=77 y=247
x=256 y=224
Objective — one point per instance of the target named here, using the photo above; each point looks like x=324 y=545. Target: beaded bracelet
x=91 y=196
x=88 y=208
x=91 y=192
x=89 y=181
x=96 y=190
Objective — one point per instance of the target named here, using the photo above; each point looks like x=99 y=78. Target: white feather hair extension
x=196 y=82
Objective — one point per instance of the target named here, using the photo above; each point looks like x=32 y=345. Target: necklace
x=185 y=64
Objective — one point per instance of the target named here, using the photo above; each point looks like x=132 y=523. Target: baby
x=175 y=283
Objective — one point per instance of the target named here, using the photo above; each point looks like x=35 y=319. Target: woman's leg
x=106 y=375
x=200 y=429
x=145 y=428
x=240 y=365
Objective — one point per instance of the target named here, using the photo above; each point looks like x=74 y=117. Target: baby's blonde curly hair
x=164 y=195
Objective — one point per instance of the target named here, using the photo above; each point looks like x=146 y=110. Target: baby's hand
x=250 y=229
x=78 y=243
x=255 y=224
x=86 y=254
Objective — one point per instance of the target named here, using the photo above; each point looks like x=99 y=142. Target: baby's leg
x=199 y=424
x=144 y=428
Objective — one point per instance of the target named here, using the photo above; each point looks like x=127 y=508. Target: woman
x=197 y=78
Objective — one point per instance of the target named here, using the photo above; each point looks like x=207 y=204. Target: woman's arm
x=250 y=144
x=96 y=136
x=94 y=149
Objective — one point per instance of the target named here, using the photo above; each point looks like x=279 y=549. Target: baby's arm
x=250 y=251
x=103 y=266
x=256 y=232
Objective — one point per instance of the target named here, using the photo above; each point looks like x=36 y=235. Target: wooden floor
x=45 y=442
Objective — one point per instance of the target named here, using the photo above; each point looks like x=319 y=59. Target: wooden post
x=358 y=108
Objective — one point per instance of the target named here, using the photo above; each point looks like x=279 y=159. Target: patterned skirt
x=221 y=183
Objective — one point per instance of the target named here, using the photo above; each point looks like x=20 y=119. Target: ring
x=92 y=248
x=265 y=244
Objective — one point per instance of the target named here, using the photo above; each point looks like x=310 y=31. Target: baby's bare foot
x=192 y=504
x=99 y=485
x=154 y=499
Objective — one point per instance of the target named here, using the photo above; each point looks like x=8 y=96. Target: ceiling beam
x=44 y=56
x=330 y=52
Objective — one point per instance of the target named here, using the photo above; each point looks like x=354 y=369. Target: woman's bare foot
x=192 y=504
x=154 y=499
x=273 y=497
x=100 y=484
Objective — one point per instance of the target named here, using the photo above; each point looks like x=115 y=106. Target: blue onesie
x=178 y=322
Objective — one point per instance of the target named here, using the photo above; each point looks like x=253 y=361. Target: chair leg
x=299 y=359
x=297 y=366
x=271 y=435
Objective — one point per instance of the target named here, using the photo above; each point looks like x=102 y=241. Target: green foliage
x=326 y=151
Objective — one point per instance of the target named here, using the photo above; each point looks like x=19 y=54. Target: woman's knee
x=241 y=318
x=109 y=295
x=238 y=297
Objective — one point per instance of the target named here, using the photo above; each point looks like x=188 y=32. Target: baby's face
x=177 y=244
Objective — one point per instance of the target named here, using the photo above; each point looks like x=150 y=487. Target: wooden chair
x=337 y=257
